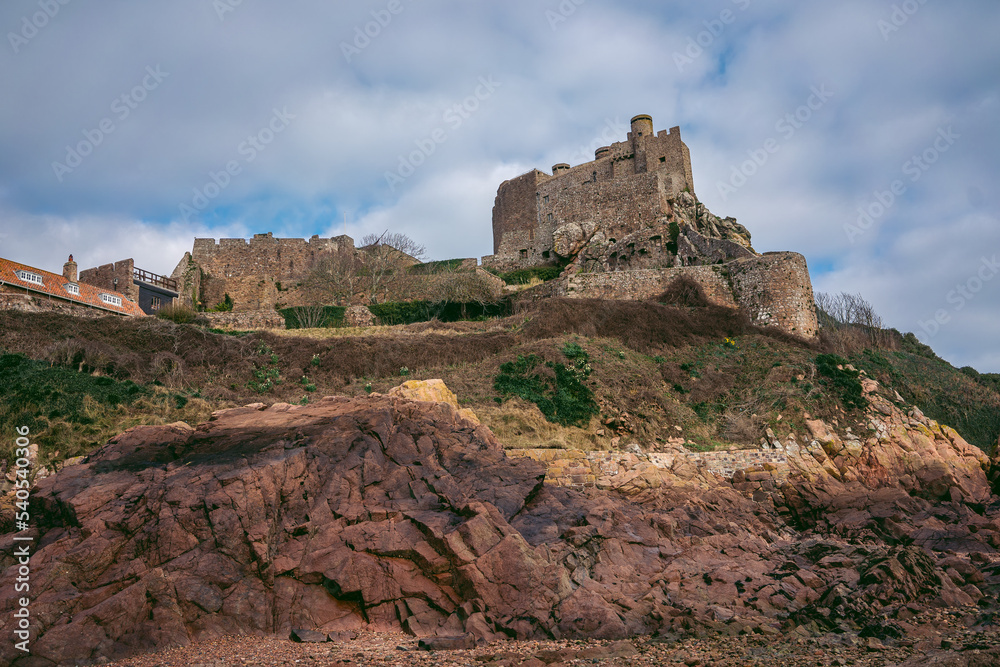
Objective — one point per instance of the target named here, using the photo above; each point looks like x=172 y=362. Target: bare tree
x=842 y=311
x=336 y=278
x=466 y=287
x=376 y=272
x=386 y=258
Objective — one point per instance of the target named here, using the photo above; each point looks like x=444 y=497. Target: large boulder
x=398 y=513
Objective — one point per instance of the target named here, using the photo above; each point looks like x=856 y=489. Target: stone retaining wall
x=40 y=304
x=602 y=469
x=773 y=288
x=246 y=320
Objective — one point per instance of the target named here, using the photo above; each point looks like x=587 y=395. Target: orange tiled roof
x=54 y=284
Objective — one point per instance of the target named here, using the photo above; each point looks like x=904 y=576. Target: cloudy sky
x=860 y=133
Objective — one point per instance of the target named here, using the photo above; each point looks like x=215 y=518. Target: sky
x=861 y=134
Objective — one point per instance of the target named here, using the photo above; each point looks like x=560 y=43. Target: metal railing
x=153 y=279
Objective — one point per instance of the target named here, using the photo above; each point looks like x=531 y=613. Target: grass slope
x=612 y=373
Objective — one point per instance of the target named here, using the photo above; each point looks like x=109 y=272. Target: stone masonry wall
x=515 y=212
x=31 y=303
x=104 y=276
x=247 y=320
x=602 y=469
x=774 y=288
x=648 y=283
x=256 y=273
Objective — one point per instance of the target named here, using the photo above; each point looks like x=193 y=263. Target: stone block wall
x=648 y=283
x=602 y=469
x=246 y=320
x=106 y=275
x=774 y=288
x=256 y=273
x=30 y=303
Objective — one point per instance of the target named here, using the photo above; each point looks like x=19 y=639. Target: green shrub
x=303 y=317
x=675 y=231
x=843 y=379
x=44 y=397
x=224 y=306
x=402 y=312
x=265 y=374
x=411 y=312
x=431 y=268
x=562 y=399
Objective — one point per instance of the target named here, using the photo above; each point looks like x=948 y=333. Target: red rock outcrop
x=387 y=513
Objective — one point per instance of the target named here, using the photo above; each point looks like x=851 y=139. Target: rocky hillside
x=386 y=513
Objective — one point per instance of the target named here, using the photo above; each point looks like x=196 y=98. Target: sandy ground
x=960 y=648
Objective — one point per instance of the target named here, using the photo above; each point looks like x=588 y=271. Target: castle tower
x=642 y=132
x=642 y=126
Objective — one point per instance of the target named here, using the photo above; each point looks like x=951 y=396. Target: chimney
x=69 y=270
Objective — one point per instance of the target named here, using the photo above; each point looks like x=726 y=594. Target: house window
x=73 y=289
x=154 y=303
x=29 y=277
x=111 y=299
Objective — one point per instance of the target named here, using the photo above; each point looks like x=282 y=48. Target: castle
x=628 y=224
x=629 y=185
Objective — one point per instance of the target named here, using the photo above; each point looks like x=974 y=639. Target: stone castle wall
x=515 y=213
x=649 y=283
x=774 y=288
x=256 y=273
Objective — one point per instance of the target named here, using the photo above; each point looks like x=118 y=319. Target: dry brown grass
x=521 y=425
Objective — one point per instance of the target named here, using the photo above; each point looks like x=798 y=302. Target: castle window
x=154 y=303
x=545 y=254
x=549 y=217
x=524 y=253
x=111 y=299
x=29 y=277
x=545 y=199
x=663 y=159
x=73 y=289
x=531 y=234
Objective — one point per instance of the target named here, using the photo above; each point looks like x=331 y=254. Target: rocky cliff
x=390 y=513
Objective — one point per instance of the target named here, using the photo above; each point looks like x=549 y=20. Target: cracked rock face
x=383 y=513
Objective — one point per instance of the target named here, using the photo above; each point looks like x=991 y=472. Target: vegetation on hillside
x=559 y=373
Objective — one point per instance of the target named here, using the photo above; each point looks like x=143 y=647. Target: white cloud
x=559 y=91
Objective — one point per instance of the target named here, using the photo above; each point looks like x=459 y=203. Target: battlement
x=266 y=243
